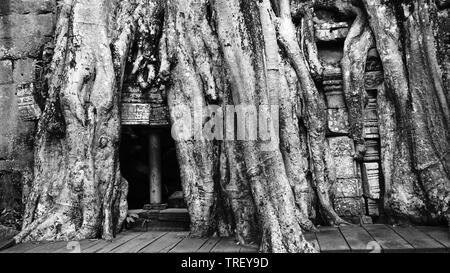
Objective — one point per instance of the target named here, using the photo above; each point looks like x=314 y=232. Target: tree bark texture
x=221 y=55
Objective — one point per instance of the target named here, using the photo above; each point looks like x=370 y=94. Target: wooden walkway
x=370 y=238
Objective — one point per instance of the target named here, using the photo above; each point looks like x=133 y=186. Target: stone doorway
x=149 y=163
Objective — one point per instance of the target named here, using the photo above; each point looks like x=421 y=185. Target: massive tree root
x=316 y=116
x=419 y=180
x=239 y=55
x=78 y=191
x=356 y=47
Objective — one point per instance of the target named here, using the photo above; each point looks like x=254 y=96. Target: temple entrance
x=149 y=163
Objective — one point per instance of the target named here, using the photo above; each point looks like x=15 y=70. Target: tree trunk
x=245 y=60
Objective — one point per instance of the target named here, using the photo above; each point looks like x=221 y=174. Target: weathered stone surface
x=373 y=150
x=350 y=187
x=331 y=31
x=24 y=71
x=346 y=167
x=6 y=72
x=342 y=150
x=335 y=99
x=338 y=121
x=373 y=79
x=27 y=106
x=136 y=113
x=24 y=35
x=341 y=146
x=371 y=179
x=373 y=207
x=27 y=6
x=348 y=207
x=371 y=126
x=16 y=136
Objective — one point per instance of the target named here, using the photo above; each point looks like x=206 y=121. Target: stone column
x=155 y=168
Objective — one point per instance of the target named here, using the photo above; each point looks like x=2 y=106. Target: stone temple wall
x=26 y=27
x=26 y=34
x=356 y=192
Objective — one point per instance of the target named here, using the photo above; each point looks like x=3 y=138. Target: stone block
x=136 y=113
x=328 y=32
x=27 y=6
x=335 y=99
x=24 y=71
x=338 y=121
x=372 y=150
x=342 y=150
x=345 y=188
x=6 y=72
x=373 y=79
x=374 y=65
x=23 y=36
x=346 y=167
x=341 y=146
x=371 y=130
x=349 y=207
x=16 y=136
x=371 y=126
x=373 y=207
x=28 y=108
x=371 y=179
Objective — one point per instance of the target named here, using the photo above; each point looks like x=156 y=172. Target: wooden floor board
x=139 y=242
x=48 y=248
x=22 y=248
x=388 y=239
x=189 y=245
x=106 y=246
x=208 y=245
x=357 y=238
x=165 y=243
x=331 y=240
x=226 y=245
x=368 y=238
x=440 y=234
x=72 y=248
x=419 y=240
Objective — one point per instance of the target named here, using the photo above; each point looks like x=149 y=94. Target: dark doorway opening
x=135 y=166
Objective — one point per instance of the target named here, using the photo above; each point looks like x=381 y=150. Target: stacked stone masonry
x=26 y=29
x=357 y=189
x=26 y=26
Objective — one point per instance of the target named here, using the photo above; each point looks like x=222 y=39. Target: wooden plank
x=440 y=234
x=139 y=242
x=189 y=245
x=165 y=243
x=48 y=247
x=73 y=249
x=209 y=245
x=312 y=238
x=331 y=240
x=388 y=239
x=21 y=248
x=357 y=238
x=419 y=240
x=226 y=245
x=107 y=246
